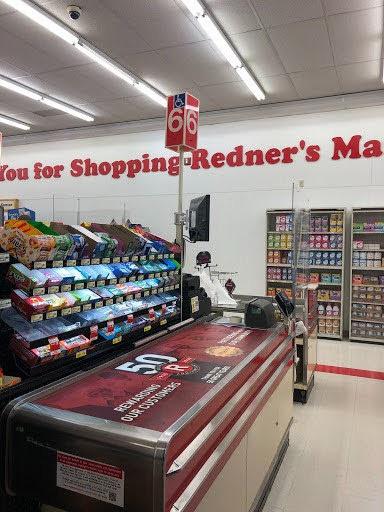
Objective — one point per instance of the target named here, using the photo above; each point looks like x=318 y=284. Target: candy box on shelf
x=53 y=278
x=22 y=277
x=110 y=335
x=128 y=242
x=74 y=344
x=103 y=292
x=54 y=301
x=25 y=247
x=68 y=298
x=28 y=305
x=83 y=296
x=35 y=356
x=70 y=275
x=77 y=240
x=94 y=246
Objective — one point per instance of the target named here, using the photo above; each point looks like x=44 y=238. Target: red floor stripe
x=355 y=372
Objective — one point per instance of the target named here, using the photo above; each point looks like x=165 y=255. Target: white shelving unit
x=327 y=243
x=367 y=275
x=279 y=276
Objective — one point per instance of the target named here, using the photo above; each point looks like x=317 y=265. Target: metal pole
x=53 y=207
x=179 y=225
x=78 y=210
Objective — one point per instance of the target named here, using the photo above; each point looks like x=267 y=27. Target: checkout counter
x=196 y=420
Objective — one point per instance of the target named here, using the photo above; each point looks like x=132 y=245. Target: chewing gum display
x=22 y=277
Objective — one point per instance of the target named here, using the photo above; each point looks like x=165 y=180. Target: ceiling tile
x=356 y=36
x=281 y=12
x=234 y=16
x=303 y=46
x=73 y=85
x=317 y=83
x=200 y=63
x=154 y=68
x=361 y=76
x=278 y=88
x=177 y=31
x=24 y=56
x=338 y=6
x=230 y=95
x=256 y=49
x=11 y=71
x=136 y=11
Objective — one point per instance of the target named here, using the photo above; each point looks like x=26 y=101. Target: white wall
x=240 y=195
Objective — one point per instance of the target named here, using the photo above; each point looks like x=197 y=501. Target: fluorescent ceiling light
x=20 y=89
x=194 y=7
x=44 y=19
x=12 y=122
x=251 y=83
x=151 y=93
x=37 y=96
x=220 y=41
x=106 y=63
x=67 y=109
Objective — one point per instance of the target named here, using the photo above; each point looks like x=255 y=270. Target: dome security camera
x=74 y=12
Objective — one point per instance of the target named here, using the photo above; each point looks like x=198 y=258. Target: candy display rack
x=367 y=275
x=64 y=312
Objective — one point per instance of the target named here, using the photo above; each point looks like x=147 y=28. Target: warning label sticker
x=91 y=478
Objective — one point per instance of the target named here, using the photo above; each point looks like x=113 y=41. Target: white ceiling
x=297 y=49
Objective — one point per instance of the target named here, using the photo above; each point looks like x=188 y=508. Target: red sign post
x=182 y=122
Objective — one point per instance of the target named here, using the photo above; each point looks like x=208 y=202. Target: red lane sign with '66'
x=182 y=122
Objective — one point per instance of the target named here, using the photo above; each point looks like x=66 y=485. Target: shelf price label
x=40 y=264
x=147 y=328
x=117 y=340
x=38 y=291
x=91 y=284
x=71 y=263
x=51 y=314
x=57 y=263
x=81 y=353
x=182 y=122
x=65 y=287
x=122 y=280
x=85 y=261
x=87 y=307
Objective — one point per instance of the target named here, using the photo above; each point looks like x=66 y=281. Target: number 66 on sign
x=182 y=122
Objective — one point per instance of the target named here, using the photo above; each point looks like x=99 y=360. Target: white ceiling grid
x=297 y=49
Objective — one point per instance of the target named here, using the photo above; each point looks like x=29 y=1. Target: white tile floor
x=335 y=462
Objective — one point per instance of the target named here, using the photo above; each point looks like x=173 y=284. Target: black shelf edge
x=97 y=261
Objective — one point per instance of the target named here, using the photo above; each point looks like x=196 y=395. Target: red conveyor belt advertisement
x=158 y=384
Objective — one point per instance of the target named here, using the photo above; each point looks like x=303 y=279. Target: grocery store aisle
x=335 y=462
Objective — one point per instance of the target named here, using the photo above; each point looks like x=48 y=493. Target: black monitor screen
x=199 y=219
